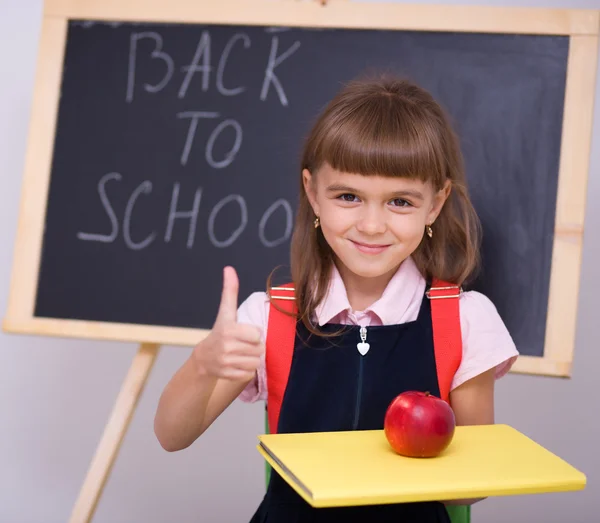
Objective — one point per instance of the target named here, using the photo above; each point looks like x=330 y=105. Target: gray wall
x=56 y=395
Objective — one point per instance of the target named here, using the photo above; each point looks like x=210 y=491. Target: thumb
x=229 y=296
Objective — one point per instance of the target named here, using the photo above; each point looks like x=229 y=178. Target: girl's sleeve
x=487 y=343
x=255 y=310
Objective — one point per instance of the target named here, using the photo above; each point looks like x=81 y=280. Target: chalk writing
x=231 y=205
x=201 y=63
x=192 y=215
x=221 y=69
x=144 y=188
x=124 y=204
x=284 y=204
x=194 y=116
x=275 y=61
x=213 y=216
x=106 y=238
x=202 y=52
x=230 y=155
x=157 y=53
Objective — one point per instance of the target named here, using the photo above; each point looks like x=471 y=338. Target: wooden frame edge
x=336 y=13
x=561 y=322
x=97 y=330
x=539 y=366
x=36 y=177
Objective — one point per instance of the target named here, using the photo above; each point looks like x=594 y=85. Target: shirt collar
x=390 y=308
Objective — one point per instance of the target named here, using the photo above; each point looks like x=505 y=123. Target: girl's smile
x=367 y=248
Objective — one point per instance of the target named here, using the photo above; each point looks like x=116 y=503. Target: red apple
x=419 y=425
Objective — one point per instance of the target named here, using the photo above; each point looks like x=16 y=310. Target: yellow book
x=331 y=469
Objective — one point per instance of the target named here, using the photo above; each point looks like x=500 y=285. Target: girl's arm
x=216 y=372
x=473 y=401
x=473 y=404
x=190 y=403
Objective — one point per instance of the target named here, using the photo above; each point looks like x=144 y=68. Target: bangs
x=382 y=135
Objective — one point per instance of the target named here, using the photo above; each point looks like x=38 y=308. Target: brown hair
x=386 y=127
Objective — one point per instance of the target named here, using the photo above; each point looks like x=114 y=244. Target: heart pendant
x=363 y=347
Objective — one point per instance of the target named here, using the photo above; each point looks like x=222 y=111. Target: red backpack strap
x=447 y=337
x=281 y=333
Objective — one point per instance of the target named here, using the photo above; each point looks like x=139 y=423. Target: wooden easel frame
x=582 y=26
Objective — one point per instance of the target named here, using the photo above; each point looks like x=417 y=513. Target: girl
x=383 y=213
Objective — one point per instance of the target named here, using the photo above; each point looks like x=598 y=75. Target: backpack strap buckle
x=437 y=296
x=282 y=293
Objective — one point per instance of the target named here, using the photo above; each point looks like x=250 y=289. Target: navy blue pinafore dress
x=332 y=387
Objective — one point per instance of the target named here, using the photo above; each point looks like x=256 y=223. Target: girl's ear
x=310 y=190
x=439 y=199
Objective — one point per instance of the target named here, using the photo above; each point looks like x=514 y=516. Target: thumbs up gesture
x=232 y=350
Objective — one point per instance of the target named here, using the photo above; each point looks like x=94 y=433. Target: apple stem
x=427 y=393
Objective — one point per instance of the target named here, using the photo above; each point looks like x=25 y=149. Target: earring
x=317 y=222
x=429 y=231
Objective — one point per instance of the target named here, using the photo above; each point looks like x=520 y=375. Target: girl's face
x=372 y=223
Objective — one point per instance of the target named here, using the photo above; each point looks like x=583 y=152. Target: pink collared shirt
x=487 y=343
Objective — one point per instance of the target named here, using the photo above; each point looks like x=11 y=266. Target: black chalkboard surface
x=177 y=152
x=165 y=144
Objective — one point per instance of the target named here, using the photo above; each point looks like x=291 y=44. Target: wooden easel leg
x=114 y=432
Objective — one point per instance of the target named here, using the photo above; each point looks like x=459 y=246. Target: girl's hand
x=232 y=350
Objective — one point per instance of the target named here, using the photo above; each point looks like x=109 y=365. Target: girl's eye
x=399 y=202
x=348 y=197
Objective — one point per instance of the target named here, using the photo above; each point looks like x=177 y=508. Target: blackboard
x=226 y=141
x=176 y=152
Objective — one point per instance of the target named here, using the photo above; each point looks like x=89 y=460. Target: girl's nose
x=372 y=221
